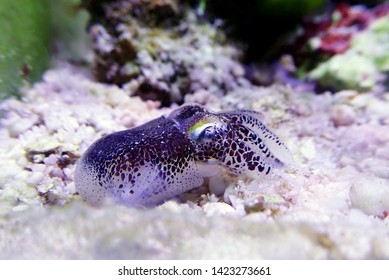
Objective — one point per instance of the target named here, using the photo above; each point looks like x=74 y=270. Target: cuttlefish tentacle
x=269 y=141
x=149 y=164
x=237 y=140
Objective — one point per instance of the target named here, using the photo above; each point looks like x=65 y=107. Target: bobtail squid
x=149 y=164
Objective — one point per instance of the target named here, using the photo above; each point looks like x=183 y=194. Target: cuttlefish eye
x=204 y=133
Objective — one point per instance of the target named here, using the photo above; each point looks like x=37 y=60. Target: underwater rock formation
x=160 y=50
x=345 y=48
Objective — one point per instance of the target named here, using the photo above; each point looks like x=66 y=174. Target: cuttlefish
x=149 y=164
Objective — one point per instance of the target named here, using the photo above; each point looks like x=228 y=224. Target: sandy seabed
x=333 y=205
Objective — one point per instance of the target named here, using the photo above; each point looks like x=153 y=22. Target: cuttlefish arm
x=237 y=140
x=270 y=142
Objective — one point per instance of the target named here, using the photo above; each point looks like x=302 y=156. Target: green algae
x=24 y=37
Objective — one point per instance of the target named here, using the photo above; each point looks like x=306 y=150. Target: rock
x=371 y=196
x=218 y=208
x=343 y=115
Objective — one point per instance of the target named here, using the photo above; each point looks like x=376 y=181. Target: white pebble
x=343 y=115
x=217 y=208
x=370 y=195
x=308 y=149
x=378 y=167
x=35 y=178
x=383 y=152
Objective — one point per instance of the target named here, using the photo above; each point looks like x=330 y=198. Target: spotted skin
x=270 y=141
x=149 y=164
x=237 y=140
x=143 y=166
